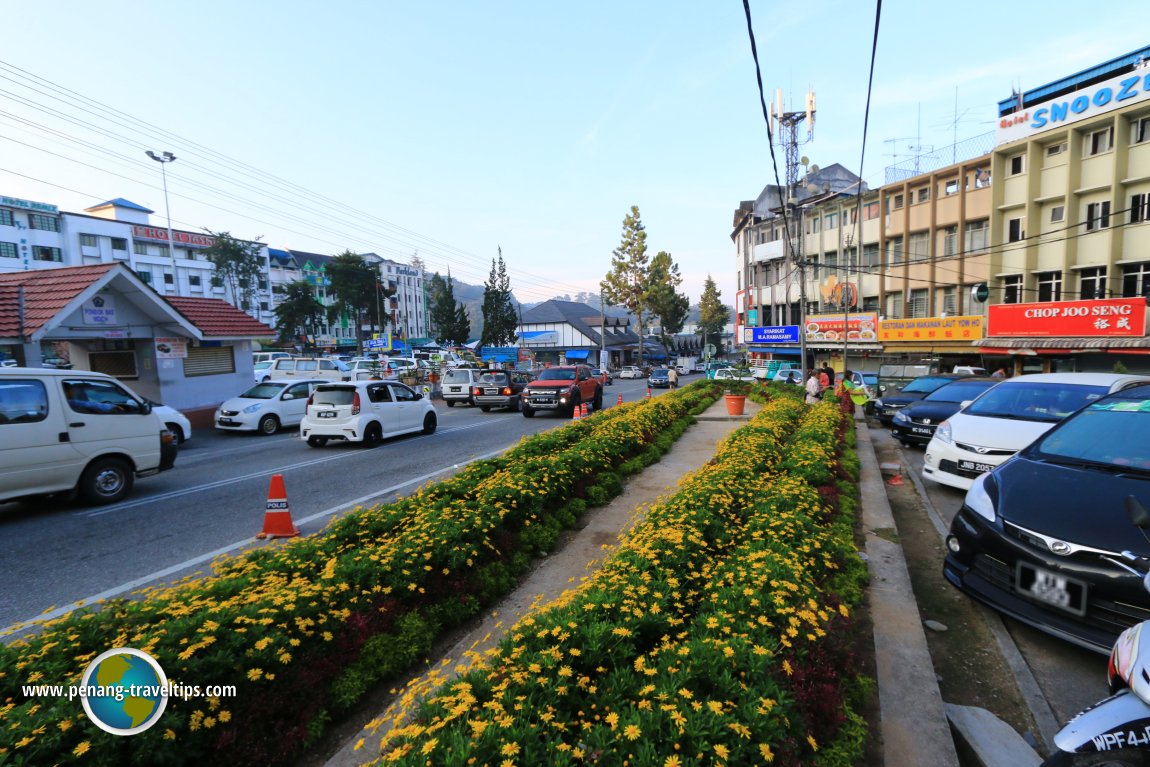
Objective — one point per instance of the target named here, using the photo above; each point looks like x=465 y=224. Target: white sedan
x=176 y=422
x=266 y=407
x=734 y=374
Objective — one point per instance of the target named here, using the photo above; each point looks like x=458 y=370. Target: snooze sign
x=1105 y=317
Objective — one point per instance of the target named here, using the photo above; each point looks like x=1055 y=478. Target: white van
x=65 y=430
x=307 y=368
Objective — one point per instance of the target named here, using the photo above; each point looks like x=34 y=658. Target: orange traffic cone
x=620 y=402
x=648 y=392
x=585 y=411
x=277 y=518
x=895 y=480
x=576 y=413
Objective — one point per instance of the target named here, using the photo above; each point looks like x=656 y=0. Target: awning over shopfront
x=576 y=354
x=1065 y=345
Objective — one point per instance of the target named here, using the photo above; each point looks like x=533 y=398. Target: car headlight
x=943 y=433
x=978 y=498
x=253 y=408
x=901 y=417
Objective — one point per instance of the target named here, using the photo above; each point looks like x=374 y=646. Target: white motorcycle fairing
x=1120 y=721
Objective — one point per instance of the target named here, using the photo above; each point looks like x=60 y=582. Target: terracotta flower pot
x=735 y=403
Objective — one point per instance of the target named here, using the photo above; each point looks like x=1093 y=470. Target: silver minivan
x=457 y=383
x=74 y=430
x=305 y=368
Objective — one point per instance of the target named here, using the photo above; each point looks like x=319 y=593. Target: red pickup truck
x=562 y=388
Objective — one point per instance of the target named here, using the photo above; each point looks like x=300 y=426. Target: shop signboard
x=919 y=329
x=1100 y=317
x=772 y=334
x=172 y=348
x=863 y=327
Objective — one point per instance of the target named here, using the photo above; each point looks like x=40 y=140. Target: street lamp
x=163 y=160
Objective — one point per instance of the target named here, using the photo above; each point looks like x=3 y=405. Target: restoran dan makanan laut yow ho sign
x=1102 y=317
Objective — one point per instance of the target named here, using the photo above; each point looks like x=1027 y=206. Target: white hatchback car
x=1008 y=417
x=630 y=371
x=734 y=374
x=365 y=412
x=266 y=407
x=177 y=423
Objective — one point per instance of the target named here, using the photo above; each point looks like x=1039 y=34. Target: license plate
x=491 y=391
x=1051 y=588
x=921 y=430
x=226 y=422
x=455 y=389
x=326 y=414
x=981 y=468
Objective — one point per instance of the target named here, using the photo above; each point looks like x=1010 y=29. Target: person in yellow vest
x=851 y=393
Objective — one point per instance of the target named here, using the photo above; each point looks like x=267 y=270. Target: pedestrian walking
x=673 y=378
x=850 y=393
x=814 y=388
x=826 y=376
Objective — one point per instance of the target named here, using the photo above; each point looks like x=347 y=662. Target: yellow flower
x=672 y=761
x=721 y=750
x=225 y=716
x=254 y=674
x=509 y=749
x=612 y=719
x=81 y=749
x=632 y=732
x=814 y=745
x=24 y=741
x=64 y=725
x=430 y=745
x=169 y=734
x=766 y=752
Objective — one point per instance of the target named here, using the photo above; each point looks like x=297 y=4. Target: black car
x=1035 y=536
x=915 y=423
x=886 y=405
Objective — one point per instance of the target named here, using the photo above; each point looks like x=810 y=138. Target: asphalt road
x=213 y=502
x=1070 y=677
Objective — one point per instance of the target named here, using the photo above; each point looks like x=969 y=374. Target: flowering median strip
x=719 y=631
x=304 y=629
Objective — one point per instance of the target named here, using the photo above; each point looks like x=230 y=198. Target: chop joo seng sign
x=1104 y=317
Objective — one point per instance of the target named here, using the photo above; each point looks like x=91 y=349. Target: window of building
x=950 y=187
x=919 y=303
x=263 y=306
x=6 y=217
x=1139 y=208
x=918 y=247
x=894 y=250
x=88 y=240
x=975 y=236
x=897 y=201
x=870 y=211
x=870 y=303
x=1017 y=164
x=8 y=250
x=169 y=278
x=1014 y=230
x=1097 y=215
x=1057 y=213
x=262 y=284
x=924 y=194
x=947 y=299
x=1136 y=280
x=1012 y=289
x=119 y=243
x=140 y=248
x=194 y=280
x=981 y=177
x=832 y=220
x=950 y=241
x=894 y=306
x=1049 y=286
x=814 y=224
x=1099 y=141
x=217 y=281
x=1055 y=149
x=870 y=256
x=45 y=253
x=44 y=223
x=145 y=277
x=1140 y=130
x=1092 y=283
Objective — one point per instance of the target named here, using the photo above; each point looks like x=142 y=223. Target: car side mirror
x=287 y=396
x=145 y=407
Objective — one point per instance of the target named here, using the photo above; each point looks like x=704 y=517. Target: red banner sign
x=185 y=238
x=1102 y=317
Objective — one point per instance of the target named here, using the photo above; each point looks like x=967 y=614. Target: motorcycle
x=1116 y=731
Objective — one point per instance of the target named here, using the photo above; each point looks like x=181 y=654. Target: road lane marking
x=101 y=511
x=136 y=583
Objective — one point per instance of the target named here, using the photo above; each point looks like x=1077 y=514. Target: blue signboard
x=773 y=334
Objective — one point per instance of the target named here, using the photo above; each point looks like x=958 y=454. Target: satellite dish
x=804 y=160
x=813 y=169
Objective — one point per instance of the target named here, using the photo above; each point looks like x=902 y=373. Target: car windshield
x=659 y=372
x=553 y=374
x=266 y=390
x=959 y=391
x=457 y=376
x=870 y=379
x=1049 y=402
x=1111 y=432
x=494 y=378
x=343 y=395
x=925 y=384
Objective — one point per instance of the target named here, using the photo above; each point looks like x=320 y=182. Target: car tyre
x=451 y=403
x=174 y=428
x=269 y=424
x=106 y=480
x=316 y=441
x=430 y=422
x=485 y=408
x=372 y=435
x=528 y=412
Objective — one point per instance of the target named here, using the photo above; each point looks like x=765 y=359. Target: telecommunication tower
x=788 y=137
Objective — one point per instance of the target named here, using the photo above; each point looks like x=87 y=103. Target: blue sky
x=450 y=129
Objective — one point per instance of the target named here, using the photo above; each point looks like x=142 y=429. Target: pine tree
x=627 y=283
x=665 y=302
x=713 y=316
